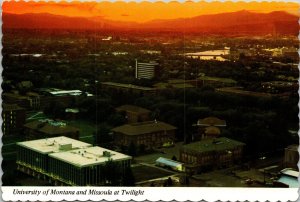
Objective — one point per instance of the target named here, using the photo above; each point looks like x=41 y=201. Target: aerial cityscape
x=150 y=94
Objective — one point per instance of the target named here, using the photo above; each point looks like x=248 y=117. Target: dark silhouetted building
x=13 y=119
x=211 y=153
x=291 y=156
x=151 y=134
x=49 y=128
x=134 y=114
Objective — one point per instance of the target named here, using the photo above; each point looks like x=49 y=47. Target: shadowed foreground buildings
x=291 y=156
x=13 y=119
x=65 y=161
x=210 y=153
x=151 y=134
x=49 y=128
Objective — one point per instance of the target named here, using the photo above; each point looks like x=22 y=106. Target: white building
x=145 y=70
x=65 y=161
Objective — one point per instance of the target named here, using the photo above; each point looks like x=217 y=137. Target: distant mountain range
x=239 y=23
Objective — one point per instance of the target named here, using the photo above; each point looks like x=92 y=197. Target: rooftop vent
x=106 y=154
x=65 y=147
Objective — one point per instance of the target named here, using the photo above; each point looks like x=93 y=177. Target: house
x=211 y=153
x=134 y=114
x=13 y=119
x=49 y=128
x=151 y=134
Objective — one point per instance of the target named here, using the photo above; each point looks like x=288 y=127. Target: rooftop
x=143 y=128
x=218 y=79
x=212 y=130
x=89 y=156
x=211 y=121
x=168 y=162
x=52 y=145
x=50 y=127
x=132 y=108
x=66 y=92
x=217 y=144
x=240 y=91
x=123 y=85
x=173 y=85
x=10 y=107
x=290 y=172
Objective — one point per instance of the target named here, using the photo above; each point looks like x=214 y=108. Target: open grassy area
x=86 y=130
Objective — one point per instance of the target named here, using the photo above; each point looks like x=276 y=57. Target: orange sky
x=144 y=11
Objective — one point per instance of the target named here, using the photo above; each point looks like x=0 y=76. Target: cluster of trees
x=112 y=172
x=249 y=119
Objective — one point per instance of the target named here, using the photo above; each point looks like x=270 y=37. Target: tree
x=102 y=134
x=142 y=148
x=112 y=171
x=56 y=109
x=132 y=149
x=174 y=158
x=128 y=177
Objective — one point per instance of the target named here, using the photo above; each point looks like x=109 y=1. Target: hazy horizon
x=145 y=11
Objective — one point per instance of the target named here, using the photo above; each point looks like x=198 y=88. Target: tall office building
x=145 y=70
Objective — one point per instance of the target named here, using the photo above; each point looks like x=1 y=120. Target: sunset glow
x=144 y=11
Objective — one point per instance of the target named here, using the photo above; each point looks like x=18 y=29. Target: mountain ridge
x=278 y=22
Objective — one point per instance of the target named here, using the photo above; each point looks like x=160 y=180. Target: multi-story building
x=13 y=119
x=85 y=166
x=33 y=155
x=145 y=70
x=211 y=153
x=291 y=156
x=29 y=101
x=65 y=161
x=49 y=128
x=151 y=134
x=134 y=114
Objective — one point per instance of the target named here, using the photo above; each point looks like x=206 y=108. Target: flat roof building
x=65 y=161
x=53 y=145
x=32 y=156
x=141 y=90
